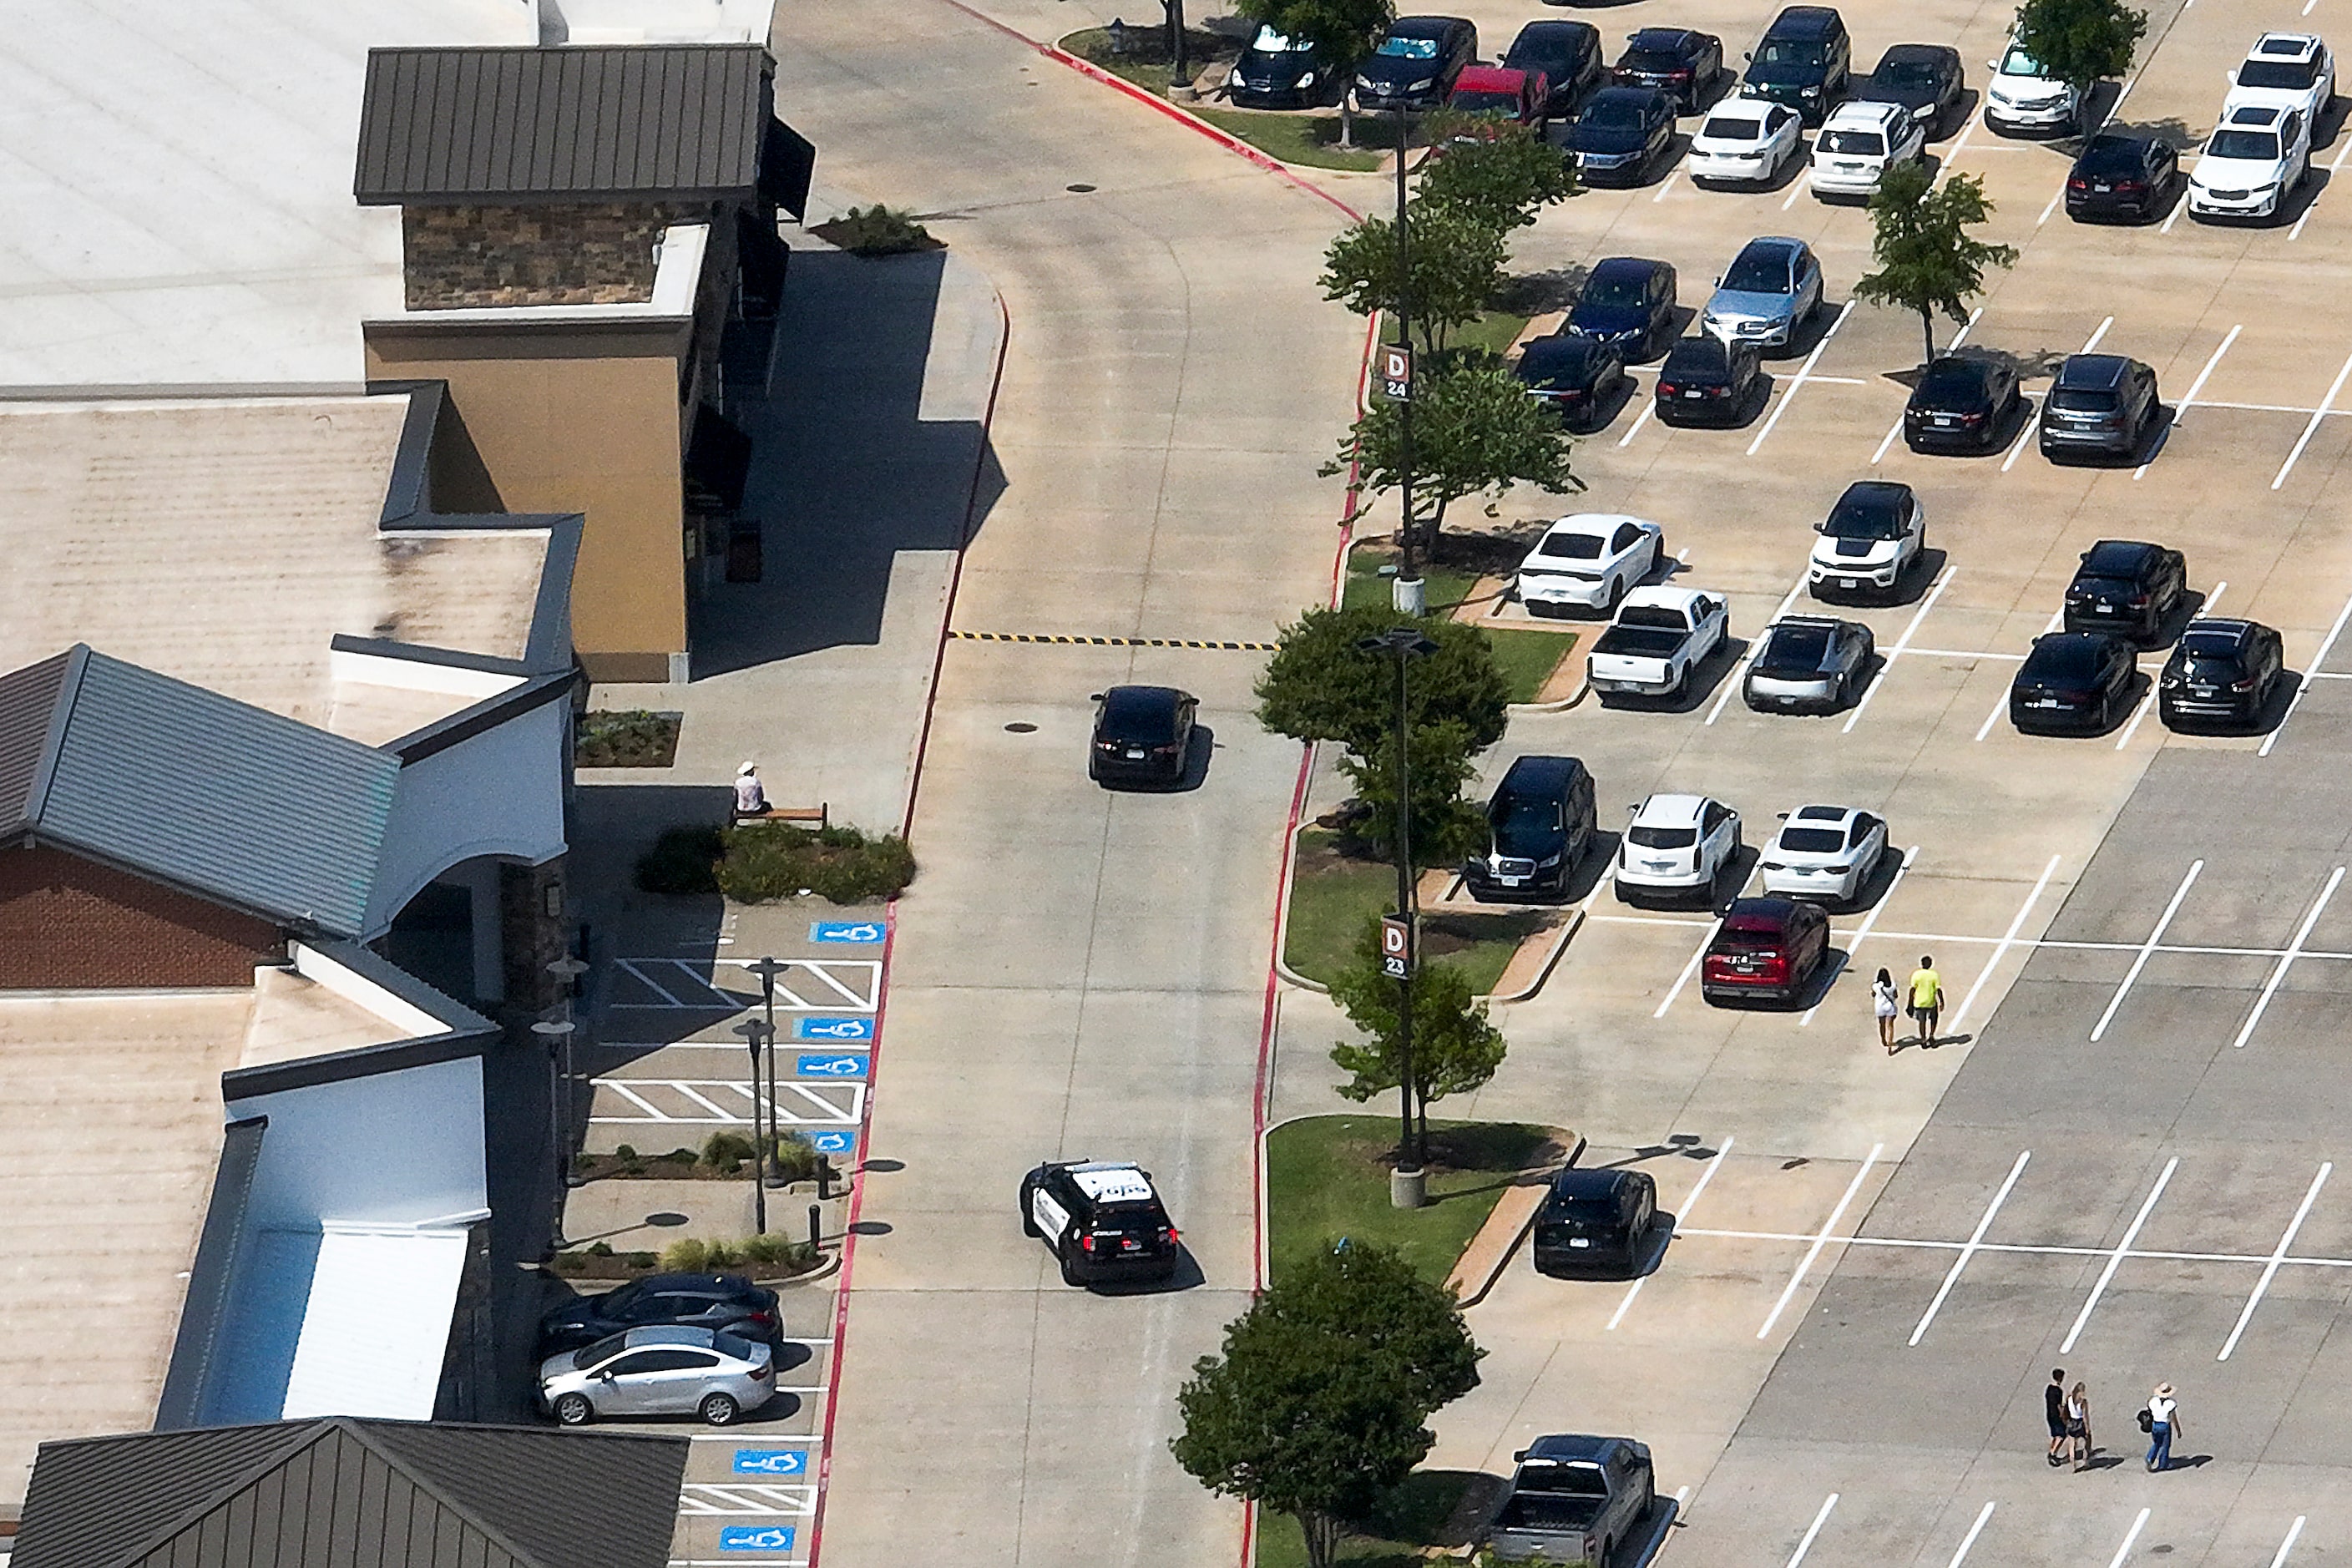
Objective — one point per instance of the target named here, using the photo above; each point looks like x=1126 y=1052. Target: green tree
x=1456 y=264
x=2080 y=41
x=1445 y=827
x=1456 y=1048
x=1473 y=428
x=1318 y=686
x=1500 y=180
x=1344 y=32
x=1927 y=261
x=1321 y=1398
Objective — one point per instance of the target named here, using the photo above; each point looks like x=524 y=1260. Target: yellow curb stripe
x=1115 y=642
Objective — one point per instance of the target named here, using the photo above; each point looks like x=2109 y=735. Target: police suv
x=1102 y=1219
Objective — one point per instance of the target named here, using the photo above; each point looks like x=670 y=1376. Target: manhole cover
x=1021 y=727
x=1078 y=190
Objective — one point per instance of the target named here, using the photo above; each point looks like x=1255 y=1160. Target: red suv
x=1766 y=949
x=1518 y=96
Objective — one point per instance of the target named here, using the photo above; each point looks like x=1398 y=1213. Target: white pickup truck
x=1661 y=634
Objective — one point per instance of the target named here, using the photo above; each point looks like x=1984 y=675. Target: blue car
x=1628 y=302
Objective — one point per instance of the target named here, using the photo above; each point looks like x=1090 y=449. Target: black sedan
x=1569 y=56
x=1707 y=382
x=2127 y=587
x=1278 y=72
x=1924 y=79
x=1596 y=1222
x=2120 y=177
x=1416 y=62
x=1583 y=380
x=1677 y=62
x=2220 y=672
x=1141 y=734
x=2072 y=682
x=1627 y=300
x=726 y=1303
x=1961 y=405
x=1619 y=133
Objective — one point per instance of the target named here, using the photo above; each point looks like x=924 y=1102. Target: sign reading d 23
x=1396 y=947
x=1396 y=372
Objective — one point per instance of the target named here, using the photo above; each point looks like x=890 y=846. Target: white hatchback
x=1744 y=142
x=1858 y=143
x=2255 y=157
x=1824 y=852
x=1675 y=846
x=1589 y=562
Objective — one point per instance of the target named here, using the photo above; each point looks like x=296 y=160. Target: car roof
x=1819 y=814
x=1574 y=1182
x=1661 y=38
x=1424 y=26
x=1111 y=1182
x=1865 y=111
x=1618 y=92
x=1592 y=524
x=2092 y=373
x=1809 y=623
x=1772 y=243
x=1671 y=810
x=675 y=1281
x=1541 y=772
x=1896 y=54
x=665 y=1334
x=2222 y=625
x=2284 y=47
x=1703 y=353
x=1568 y=1447
x=1755 y=914
x=1805 y=22
x=1553 y=27
x=1974 y=364
x=1882 y=491
x=1615 y=266
x=1489 y=78
x=2113 y=555
x=2259 y=115
x=2060 y=643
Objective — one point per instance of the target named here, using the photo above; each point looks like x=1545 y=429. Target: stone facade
x=598 y=253
x=71 y=924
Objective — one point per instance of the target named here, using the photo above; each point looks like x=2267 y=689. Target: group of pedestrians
x=2069 y=1413
x=1923 y=999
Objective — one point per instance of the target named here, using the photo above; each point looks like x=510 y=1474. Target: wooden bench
x=818 y=816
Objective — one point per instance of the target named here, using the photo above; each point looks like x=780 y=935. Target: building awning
x=375 y=1329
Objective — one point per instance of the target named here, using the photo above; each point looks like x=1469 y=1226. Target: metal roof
x=346 y=1494
x=227 y=801
x=633 y=121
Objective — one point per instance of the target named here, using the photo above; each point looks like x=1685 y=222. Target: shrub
x=728 y=1150
x=796 y=1159
x=635 y=738
x=878 y=230
x=625 y=1152
x=687 y=1256
x=599 y=1249
x=766 y=861
x=683 y=860
x=767 y=1250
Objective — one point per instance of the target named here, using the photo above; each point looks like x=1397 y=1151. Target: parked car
x=2077 y=682
x=2127 y=587
x=1595 y=1224
x=1807 y=664
x=1415 y=63
x=726 y=1303
x=2286 y=70
x=1707 y=382
x=1926 y=78
x=1771 y=286
x=1744 y=143
x=1101 y=1219
x=1583 y=380
x=2222 y=671
x=1869 y=539
x=1804 y=60
x=1509 y=95
x=1574 y=1499
x=1858 y=144
x=2022 y=98
x=1680 y=63
x=1278 y=72
x=1619 y=134
x=2255 y=157
x=1824 y=852
x=1660 y=637
x=1675 y=846
x=659 y=1371
x=1590 y=560
x=1141 y=734
x=1568 y=54
x=2121 y=175
x=1627 y=300
x=1962 y=404
x=1540 y=822
x=2101 y=405
x=1765 y=949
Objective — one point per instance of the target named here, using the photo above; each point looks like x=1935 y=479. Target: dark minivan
x=1765 y=950
x=1595 y=1224
x=1804 y=60
x=1539 y=824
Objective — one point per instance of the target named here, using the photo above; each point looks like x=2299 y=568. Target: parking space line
x=1862 y=933
x=1958 y=338
x=2326 y=645
x=2146 y=948
x=1796 y=189
x=2098 y=334
x=2129 y=1536
x=2335 y=166
x=1688 y=969
x=1812 y=1529
x=1665 y=185
x=1789 y=395
x=2180 y=409
x=1972 y=653
x=2317 y=415
x=1969 y=1249
x=1971 y=1537
x=2008 y=939
x=1649 y=406
x=1731 y=681
x=648 y=981
x=2270 y=1268
x=2017 y=447
x=1690 y=1204
x=1820 y=1240
x=2115 y=1261
x=2279 y=1559
x=1943 y=581
x=2293 y=950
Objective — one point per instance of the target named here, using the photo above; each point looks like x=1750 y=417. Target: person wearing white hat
x=751 y=798
x=2163 y=1422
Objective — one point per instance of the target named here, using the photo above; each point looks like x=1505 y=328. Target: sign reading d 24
x=1396 y=947
x=1396 y=372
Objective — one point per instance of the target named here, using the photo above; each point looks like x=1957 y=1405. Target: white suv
x=1868 y=541
x=2286 y=71
x=2256 y=156
x=1675 y=846
x=2023 y=97
x=1858 y=143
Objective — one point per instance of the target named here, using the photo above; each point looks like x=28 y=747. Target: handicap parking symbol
x=846 y=930
x=756 y=1538
x=850 y=1065
x=832 y=1028
x=772 y=1461
x=833 y=1141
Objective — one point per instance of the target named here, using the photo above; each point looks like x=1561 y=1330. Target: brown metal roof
x=637 y=121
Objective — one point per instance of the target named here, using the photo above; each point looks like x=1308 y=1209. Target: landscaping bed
x=723 y=1157
x=763 y=1256
x=1335 y=889
x=630 y=738
x=761 y=862
x=1528 y=658
x=1327 y=1177
x=1429 y=1512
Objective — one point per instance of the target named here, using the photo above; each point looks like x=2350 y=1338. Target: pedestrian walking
x=2053 y=1411
x=2078 y=1424
x=1928 y=1000
x=1882 y=1003
x=2161 y=1422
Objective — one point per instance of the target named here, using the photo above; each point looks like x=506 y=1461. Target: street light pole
x=567 y=971
x=753 y=1032
x=767 y=969
x=1407 y=1188
x=1409 y=594
x=557 y=1033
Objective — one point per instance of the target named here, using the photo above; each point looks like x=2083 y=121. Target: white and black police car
x=1102 y=1219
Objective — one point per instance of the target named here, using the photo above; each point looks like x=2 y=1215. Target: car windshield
x=1791 y=52
x=1526 y=813
x=1613 y=113
x=2260 y=146
x=1269 y=42
x=1561 y=1480
x=1580 y=1205
x=1646 y=837
x=2293 y=75
x=1486 y=103
x=1409 y=48
x=2083 y=400
x=2210 y=645
x=1794 y=650
x=1759 y=272
x=1951 y=381
x=2114 y=558
x=1905 y=73
x=1867 y=511
x=1138 y=714
x=604 y=1350
x=1723 y=128
x=1853 y=143
x=2017 y=62
x=1573 y=546
x=1651 y=62
x=1812 y=840
x=1618 y=290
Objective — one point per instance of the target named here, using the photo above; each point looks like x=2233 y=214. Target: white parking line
x=1649 y=406
x=2146 y=948
x=2317 y=660
x=1812 y=1529
x=1665 y=185
x=2279 y=1559
x=2017 y=447
x=1969 y=1249
x=2293 y=950
x=2008 y=939
x=1688 y=969
x=1958 y=338
x=1971 y=1537
x=1943 y=581
x=2129 y=1536
x=2094 y=341
x=2178 y=207
x=2317 y=415
x=2335 y=166
x=1690 y=1204
x=2180 y=409
x=1789 y=395
x=1805 y=1263
x=2115 y=1261
x=2270 y=1268
x=1797 y=187
x=649 y=983
x=1731 y=681
x=1862 y=933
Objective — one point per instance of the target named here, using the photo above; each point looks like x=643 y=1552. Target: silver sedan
x=1807 y=663
x=659 y=1371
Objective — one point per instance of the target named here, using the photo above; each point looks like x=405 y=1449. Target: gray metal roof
x=230 y=802
x=346 y=1494
x=643 y=121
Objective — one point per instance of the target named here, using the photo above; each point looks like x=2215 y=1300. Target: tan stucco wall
x=577 y=421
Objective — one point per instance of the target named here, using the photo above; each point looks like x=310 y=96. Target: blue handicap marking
x=833 y=1141
x=756 y=1538
x=846 y=930
x=850 y=1065
x=772 y=1461
x=832 y=1028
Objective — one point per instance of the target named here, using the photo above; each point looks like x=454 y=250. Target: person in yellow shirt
x=1926 y=998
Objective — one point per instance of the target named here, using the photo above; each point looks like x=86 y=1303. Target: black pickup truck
x=1574 y=1499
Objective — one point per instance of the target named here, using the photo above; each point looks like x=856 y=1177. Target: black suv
x=1961 y=404
x=2222 y=671
x=1707 y=382
x=1569 y=56
x=726 y=1303
x=1681 y=64
x=1416 y=62
x=1540 y=822
x=1595 y=1222
x=1141 y=734
x=2127 y=587
x=1804 y=60
x=1101 y=1219
x=2072 y=682
x=2103 y=405
x=2122 y=176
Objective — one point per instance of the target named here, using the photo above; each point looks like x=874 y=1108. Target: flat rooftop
x=226 y=541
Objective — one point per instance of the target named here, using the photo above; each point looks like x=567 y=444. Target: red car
x=1765 y=949
x=1516 y=96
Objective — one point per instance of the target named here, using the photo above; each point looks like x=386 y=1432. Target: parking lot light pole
x=767 y=969
x=1409 y=594
x=1408 y=1184
x=557 y=1033
x=754 y=1033
x=567 y=972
